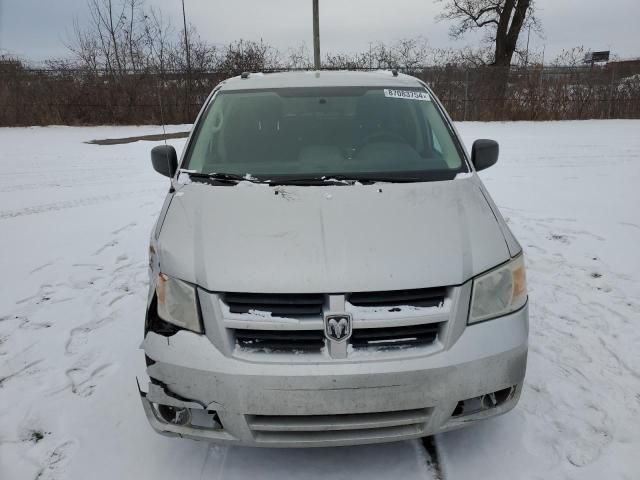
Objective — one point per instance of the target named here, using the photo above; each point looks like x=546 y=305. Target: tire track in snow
x=81 y=202
x=433 y=460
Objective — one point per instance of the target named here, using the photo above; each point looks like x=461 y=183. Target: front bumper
x=336 y=403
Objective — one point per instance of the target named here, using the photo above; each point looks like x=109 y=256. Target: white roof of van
x=322 y=78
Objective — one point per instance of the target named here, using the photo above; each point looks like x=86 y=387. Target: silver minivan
x=328 y=269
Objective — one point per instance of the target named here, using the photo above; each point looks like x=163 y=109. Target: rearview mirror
x=165 y=160
x=484 y=153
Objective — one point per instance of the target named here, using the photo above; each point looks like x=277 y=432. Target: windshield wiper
x=324 y=180
x=391 y=179
x=342 y=180
x=223 y=177
x=304 y=181
x=234 y=178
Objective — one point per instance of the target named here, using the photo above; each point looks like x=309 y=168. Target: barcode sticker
x=407 y=94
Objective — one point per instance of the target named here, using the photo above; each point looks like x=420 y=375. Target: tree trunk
x=502 y=57
x=509 y=29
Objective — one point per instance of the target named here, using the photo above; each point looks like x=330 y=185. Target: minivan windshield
x=347 y=132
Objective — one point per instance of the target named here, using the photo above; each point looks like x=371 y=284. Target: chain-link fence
x=558 y=93
x=79 y=97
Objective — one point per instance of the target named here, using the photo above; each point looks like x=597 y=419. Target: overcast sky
x=37 y=29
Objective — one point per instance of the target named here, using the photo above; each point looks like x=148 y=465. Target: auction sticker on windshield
x=407 y=94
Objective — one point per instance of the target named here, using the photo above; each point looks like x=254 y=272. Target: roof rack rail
x=394 y=72
x=244 y=75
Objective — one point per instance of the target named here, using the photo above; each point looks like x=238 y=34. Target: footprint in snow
x=28 y=369
x=53 y=466
x=559 y=238
x=41 y=267
x=27 y=324
x=126 y=227
x=118 y=298
x=83 y=383
x=79 y=335
x=110 y=244
x=44 y=295
x=587 y=449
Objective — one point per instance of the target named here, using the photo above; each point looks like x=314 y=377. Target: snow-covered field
x=74 y=225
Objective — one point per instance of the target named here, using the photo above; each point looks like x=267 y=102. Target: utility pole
x=186 y=39
x=1 y=27
x=186 y=48
x=316 y=35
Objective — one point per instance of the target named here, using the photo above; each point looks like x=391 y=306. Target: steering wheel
x=377 y=137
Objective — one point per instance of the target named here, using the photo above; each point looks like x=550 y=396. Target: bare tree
x=157 y=36
x=464 y=57
x=410 y=54
x=571 y=57
x=85 y=47
x=501 y=20
x=122 y=36
x=341 y=61
x=248 y=56
x=298 y=58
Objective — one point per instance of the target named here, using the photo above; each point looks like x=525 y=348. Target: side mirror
x=165 y=160
x=484 y=153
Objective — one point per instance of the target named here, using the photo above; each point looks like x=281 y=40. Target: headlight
x=499 y=292
x=177 y=303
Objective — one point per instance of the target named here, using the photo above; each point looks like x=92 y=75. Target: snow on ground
x=74 y=226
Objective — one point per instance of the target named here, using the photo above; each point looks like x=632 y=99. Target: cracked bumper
x=268 y=404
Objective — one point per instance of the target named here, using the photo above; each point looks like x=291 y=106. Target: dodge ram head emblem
x=337 y=327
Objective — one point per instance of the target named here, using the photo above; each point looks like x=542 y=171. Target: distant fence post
x=466 y=94
x=611 y=93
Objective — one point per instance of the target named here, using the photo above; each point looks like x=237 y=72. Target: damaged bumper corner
x=203 y=422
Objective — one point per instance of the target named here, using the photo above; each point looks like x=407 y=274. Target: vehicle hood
x=329 y=239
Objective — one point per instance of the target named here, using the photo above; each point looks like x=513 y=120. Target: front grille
x=340 y=427
x=311 y=341
x=421 y=297
x=280 y=340
x=287 y=322
x=395 y=336
x=279 y=305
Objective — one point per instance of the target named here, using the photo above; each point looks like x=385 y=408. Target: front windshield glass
x=320 y=132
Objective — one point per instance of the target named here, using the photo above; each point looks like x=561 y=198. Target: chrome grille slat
x=395 y=336
x=422 y=297
x=280 y=310
x=279 y=305
x=280 y=340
